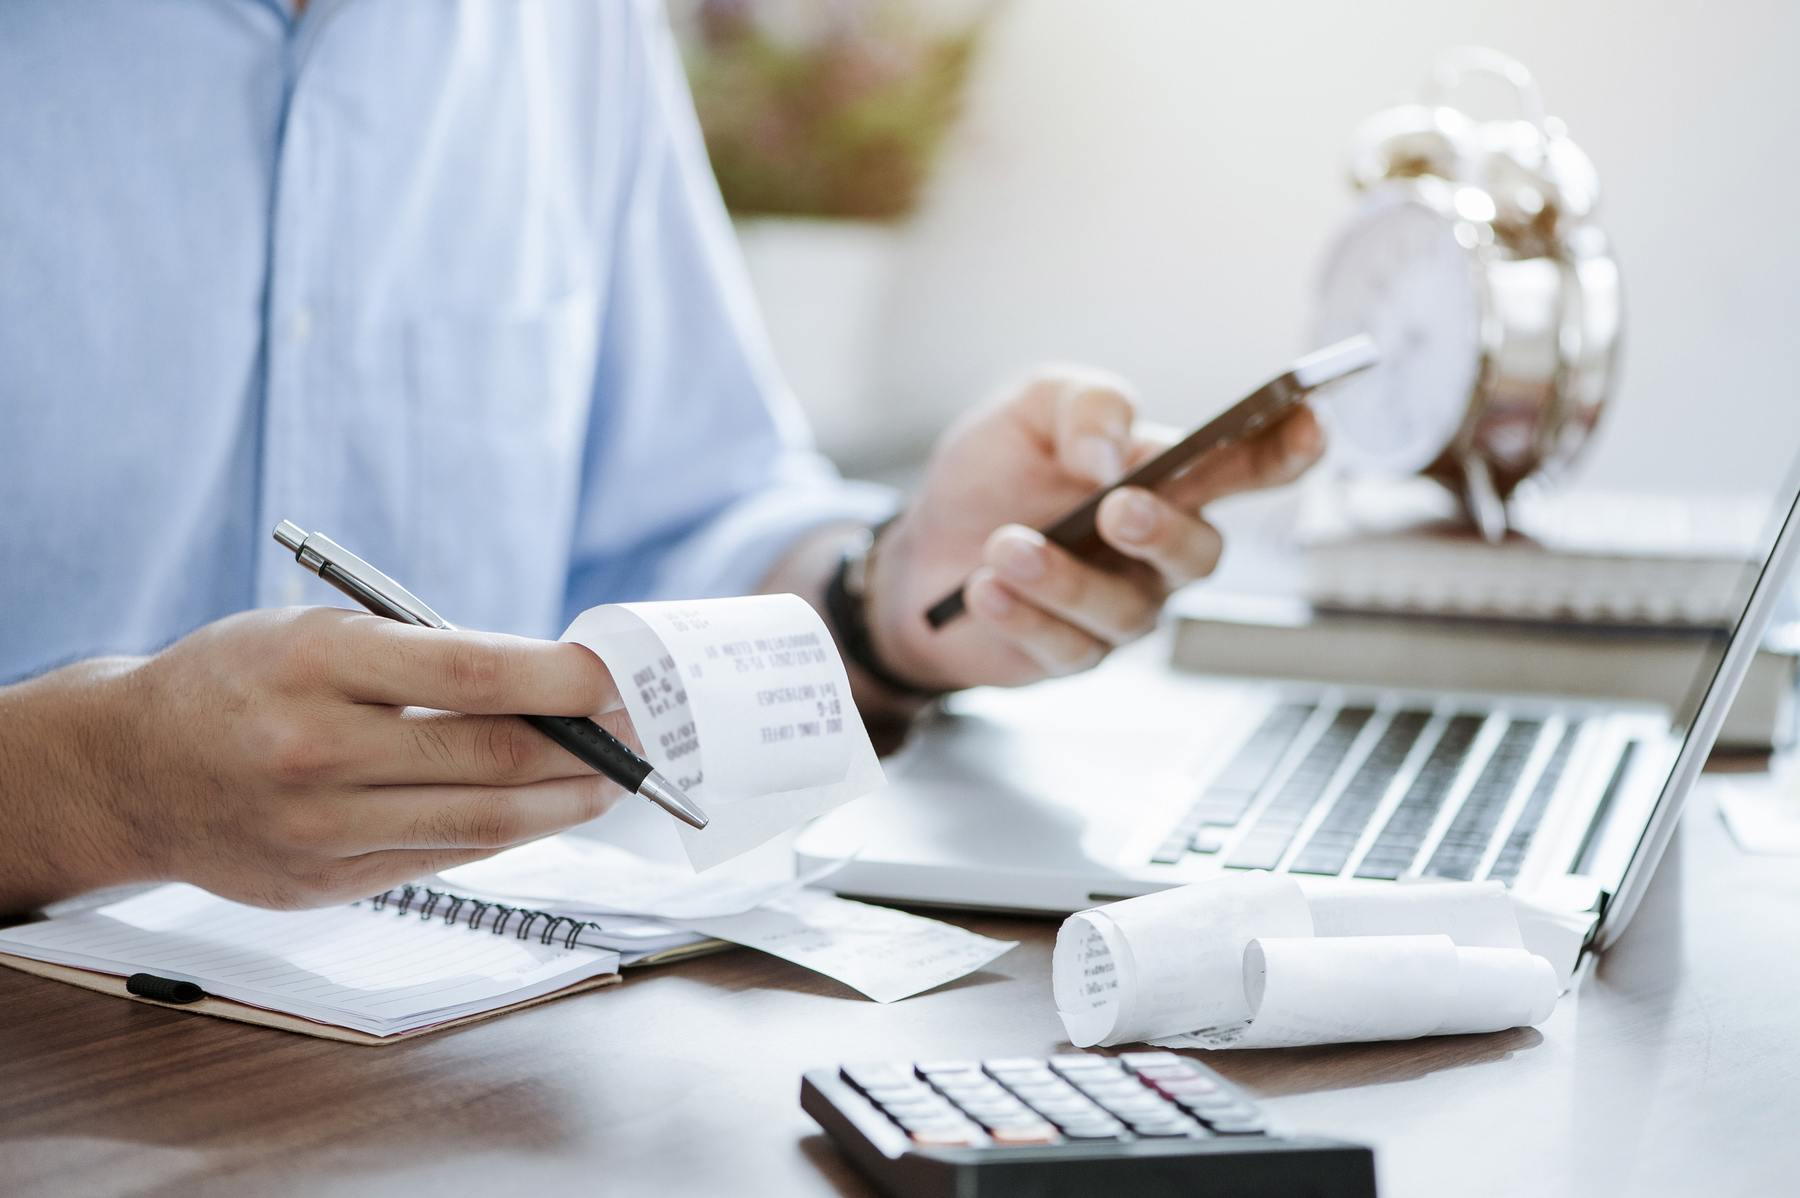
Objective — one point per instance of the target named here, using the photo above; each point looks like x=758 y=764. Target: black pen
x=584 y=738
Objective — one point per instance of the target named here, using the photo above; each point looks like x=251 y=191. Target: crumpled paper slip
x=744 y=703
x=1258 y=961
x=576 y=876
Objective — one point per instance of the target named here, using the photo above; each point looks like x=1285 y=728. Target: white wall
x=1147 y=184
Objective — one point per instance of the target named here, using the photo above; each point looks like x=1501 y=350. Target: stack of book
x=1604 y=596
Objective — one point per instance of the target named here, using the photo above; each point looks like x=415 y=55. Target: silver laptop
x=1135 y=777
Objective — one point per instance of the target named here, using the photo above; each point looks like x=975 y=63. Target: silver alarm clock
x=1475 y=262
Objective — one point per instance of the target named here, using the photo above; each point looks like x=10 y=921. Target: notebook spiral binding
x=404 y=899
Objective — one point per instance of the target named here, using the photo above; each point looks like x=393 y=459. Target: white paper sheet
x=1257 y=960
x=576 y=876
x=883 y=953
x=743 y=703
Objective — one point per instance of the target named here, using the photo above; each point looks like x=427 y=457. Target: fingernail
x=991 y=600
x=1099 y=459
x=1137 y=516
x=1020 y=556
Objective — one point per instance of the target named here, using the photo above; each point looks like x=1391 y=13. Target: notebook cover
x=224 y=1008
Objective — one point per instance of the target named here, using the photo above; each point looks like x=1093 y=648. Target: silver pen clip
x=356 y=578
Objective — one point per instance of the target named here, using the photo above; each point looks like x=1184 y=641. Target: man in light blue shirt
x=452 y=282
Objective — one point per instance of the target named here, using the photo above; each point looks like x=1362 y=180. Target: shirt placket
x=292 y=436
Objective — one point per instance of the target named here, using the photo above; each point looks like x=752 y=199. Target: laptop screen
x=1733 y=625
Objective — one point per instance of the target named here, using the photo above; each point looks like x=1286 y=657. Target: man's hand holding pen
x=305 y=756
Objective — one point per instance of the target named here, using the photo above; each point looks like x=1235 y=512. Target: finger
x=1180 y=547
x=1093 y=428
x=409 y=745
x=475 y=817
x=1054 y=646
x=1275 y=456
x=1110 y=606
x=373 y=660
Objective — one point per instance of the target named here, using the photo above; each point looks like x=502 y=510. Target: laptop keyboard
x=1512 y=853
x=1332 y=843
x=1268 y=839
x=1315 y=818
x=1230 y=794
x=1466 y=841
x=1394 y=850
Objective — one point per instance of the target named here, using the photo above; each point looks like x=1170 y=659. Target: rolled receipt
x=1347 y=989
x=744 y=703
x=1258 y=960
x=1169 y=962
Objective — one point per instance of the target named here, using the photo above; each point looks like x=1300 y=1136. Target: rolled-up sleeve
x=699 y=471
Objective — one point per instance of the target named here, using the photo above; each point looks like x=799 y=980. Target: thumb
x=1093 y=429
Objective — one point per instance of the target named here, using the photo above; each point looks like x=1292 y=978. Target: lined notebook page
x=374 y=971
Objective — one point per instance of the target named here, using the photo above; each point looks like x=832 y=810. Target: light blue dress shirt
x=449 y=281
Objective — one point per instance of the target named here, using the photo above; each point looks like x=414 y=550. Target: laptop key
x=1466 y=841
x=1329 y=849
x=1267 y=841
x=1235 y=787
x=1518 y=840
x=1394 y=849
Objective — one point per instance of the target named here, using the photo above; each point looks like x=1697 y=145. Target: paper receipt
x=885 y=954
x=1258 y=961
x=744 y=704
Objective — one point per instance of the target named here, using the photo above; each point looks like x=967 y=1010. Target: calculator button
x=1180 y=1069
x=935 y=1069
x=968 y=1085
x=1082 y=1060
x=865 y=1076
x=949 y=1137
x=1003 y=1064
x=935 y=1120
x=1137 y=1110
x=986 y=1112
x=1092 y=1131
x=904 y=1111
x=1108 y=1090
x=887 y=1094
x=1015 y=1078
x=1238 y=1128
x=1237 y=1112
x=1025 y=1134
x=1188 y=1087
x=1163 y=1129
x=1075 y=1104
x=1218 y=1100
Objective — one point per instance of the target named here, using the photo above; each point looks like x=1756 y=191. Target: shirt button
x=301 y=323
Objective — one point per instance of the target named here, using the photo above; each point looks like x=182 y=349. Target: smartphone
x=1076 y=531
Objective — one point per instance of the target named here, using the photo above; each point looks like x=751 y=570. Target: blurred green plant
x=833 y=108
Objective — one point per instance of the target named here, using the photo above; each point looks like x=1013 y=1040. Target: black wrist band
x=846 y=608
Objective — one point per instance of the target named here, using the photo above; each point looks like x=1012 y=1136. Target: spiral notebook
x=369 y=973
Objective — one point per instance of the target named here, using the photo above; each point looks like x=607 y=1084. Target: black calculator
x=1145 y=1124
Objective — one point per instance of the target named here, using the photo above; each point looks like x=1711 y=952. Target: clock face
x=1399 y=274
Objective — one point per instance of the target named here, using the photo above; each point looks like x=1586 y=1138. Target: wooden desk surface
x=1675 y=1069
